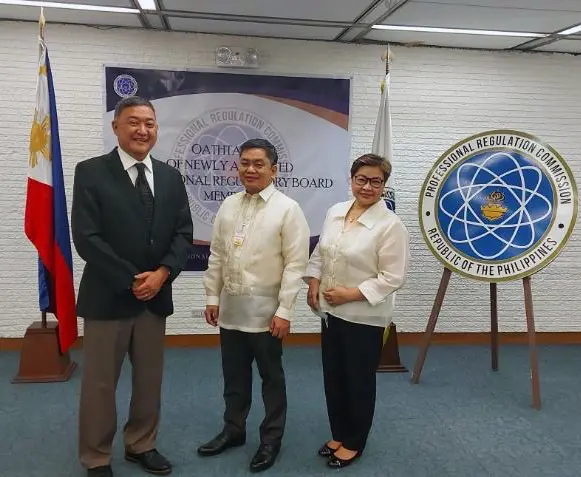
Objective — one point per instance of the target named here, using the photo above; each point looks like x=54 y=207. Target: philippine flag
x=46 y=223
x=382 y=141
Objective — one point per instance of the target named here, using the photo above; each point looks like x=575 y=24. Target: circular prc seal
x=498 y=206
x=125 y=85
x=206 y=153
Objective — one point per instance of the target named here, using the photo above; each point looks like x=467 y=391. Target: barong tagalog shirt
x=372 y=255
x=258 y=256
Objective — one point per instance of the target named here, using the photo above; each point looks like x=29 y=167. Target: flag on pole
x=382 y=140
x=382 y=146
x=46 y=221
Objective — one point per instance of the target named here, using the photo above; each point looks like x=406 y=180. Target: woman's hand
x=313 y=293
x=341 y=295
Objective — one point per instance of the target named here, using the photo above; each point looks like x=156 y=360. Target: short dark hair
x=372 y=160
x=132 y=102
x=263 y=144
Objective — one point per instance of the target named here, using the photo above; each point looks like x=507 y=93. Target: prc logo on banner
x=206 y=153
x=498 y=206
x=125 y=86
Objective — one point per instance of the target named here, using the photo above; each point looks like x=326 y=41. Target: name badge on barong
x=240 y=235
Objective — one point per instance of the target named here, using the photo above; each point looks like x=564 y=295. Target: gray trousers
x=105 y=344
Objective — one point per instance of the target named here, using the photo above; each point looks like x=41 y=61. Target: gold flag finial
x=387 y=56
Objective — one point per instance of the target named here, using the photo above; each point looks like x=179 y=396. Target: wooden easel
x=533 y=355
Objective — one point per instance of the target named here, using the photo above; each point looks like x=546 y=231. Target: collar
x=369 y=218
x=129 y=161
x=265 y=193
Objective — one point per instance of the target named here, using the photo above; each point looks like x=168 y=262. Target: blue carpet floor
x=462 y=420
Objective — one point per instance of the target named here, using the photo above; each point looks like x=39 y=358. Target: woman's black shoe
x=326 y=451
x=338 y=463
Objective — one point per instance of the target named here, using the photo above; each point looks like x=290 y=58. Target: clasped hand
x=338 y=296
x=333 y=296
x=147 y=284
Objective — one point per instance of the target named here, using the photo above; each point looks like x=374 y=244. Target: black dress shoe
x=151 y=461
x=220 y=443
x=101 y=471
x=264 y=457
x=326 y=451
x=337 y=463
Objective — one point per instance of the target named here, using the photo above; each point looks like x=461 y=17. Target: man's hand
x=341 y=295
x=211 y=314
x=313 y=293
x=279 y=327
x=148 y=284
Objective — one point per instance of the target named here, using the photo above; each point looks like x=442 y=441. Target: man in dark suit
x=131 y=224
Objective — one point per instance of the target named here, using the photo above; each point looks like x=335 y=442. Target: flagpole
x=41 y=24
x=390 y=361
x=44 y=355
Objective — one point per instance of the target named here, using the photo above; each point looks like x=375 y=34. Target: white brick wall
x=439 y=97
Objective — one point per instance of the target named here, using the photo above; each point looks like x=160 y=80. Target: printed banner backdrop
x=204 y=117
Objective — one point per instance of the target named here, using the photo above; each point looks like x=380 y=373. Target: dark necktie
x=145 y=193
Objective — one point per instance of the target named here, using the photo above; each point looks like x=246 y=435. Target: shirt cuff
x=312 y=272
x=307 y=279
x=370 y=294
x=213 y=301
x=284 y=313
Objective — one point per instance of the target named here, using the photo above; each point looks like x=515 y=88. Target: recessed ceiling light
x=462 y=31
x=570 y=31
x=147 y=4
x=69 y=6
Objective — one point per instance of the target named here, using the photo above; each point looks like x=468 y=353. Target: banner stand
x=533 y=354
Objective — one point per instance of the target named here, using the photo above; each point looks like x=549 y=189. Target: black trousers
x=239 y=350
x=350 y=354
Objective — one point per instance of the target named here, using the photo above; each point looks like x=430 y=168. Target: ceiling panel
x=155 y=21
x=331 y=10
x=571 y=5
x=12 y=12
x=371 y=17
x=109 y=3
x=434 y=14
x=563 y=46
x=252 y=29
x=439 y=39
x=375 y=13
x=536 y=16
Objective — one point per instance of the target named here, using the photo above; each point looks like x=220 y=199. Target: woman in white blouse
x=357 y=266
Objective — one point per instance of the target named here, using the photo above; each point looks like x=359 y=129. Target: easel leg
x=532 y=343
x=431 y=325
x=494 y=326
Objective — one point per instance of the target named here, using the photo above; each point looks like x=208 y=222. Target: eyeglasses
x=375 y=182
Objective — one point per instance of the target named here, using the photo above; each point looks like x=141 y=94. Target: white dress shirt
x=129 y=166
x=372 y=255
x=258 y=256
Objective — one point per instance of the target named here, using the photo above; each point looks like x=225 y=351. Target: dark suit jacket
x=110 y=234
